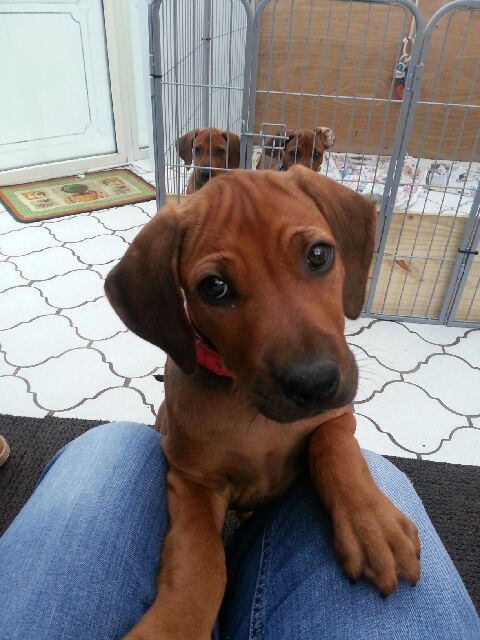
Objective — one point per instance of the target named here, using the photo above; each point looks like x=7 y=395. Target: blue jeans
x=80 y=560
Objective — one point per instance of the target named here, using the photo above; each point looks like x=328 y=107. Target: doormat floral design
x=75 y=194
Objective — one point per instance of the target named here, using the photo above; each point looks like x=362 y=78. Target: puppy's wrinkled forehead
x=206 y=137
x=245 y=209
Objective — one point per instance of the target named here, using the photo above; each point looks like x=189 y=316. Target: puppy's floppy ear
x=233 y=149
x=324 y=135
x=184 y=146
x=290 y=135
x=144 y=289
x=352 y=219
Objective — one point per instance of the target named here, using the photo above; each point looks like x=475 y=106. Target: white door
x=60 y=86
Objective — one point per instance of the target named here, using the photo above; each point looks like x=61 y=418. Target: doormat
x=74 y=194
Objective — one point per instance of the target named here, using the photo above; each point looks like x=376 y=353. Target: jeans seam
x=257 y=614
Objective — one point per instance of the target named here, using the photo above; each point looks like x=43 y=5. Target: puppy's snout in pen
x=205 y=175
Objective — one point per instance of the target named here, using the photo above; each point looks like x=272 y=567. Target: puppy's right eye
x=320 y=257
x=197 y=151
x=214 y=290
x=292 y=153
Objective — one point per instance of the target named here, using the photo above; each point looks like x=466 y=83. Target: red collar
x=209 y=359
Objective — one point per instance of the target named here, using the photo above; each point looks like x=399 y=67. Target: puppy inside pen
x=394 y=85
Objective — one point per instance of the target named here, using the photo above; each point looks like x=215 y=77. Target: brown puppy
x=211 y=151
x=305 y=147
x=267 y=281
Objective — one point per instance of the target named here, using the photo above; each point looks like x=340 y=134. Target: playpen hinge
x=415 y=77
x=153 y=67
x=152 y=83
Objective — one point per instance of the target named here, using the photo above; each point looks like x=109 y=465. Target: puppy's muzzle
x=310 y=385
x=204 y=175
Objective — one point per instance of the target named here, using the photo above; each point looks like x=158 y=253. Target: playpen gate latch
x=399 y=82
x=467 y=252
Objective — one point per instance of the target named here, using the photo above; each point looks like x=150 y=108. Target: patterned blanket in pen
x=426 y=186
x=454 y=182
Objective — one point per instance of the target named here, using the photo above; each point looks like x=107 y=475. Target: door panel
x=58 y=102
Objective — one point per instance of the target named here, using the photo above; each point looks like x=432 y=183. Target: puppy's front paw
x=377 y=541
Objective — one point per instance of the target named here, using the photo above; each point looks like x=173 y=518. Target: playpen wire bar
x=461 y=266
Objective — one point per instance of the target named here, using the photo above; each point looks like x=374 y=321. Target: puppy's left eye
x=219 y=151
x=316 y=155
x=214 y=290
x=320 y=257
x=292 y=153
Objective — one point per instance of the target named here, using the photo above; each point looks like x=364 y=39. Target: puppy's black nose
x=308 y=384
x=204 y=175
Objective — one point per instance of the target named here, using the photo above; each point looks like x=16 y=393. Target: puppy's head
x=267 y=281
x=306 y=147
x=211 y=151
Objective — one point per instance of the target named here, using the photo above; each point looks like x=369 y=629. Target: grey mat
x=450 y=493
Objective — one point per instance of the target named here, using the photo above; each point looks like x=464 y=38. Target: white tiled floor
x=64 y=352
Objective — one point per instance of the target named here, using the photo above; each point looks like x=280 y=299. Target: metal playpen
x=398 y=83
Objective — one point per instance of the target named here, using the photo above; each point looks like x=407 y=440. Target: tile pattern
x=423 y=393
x=64 y=352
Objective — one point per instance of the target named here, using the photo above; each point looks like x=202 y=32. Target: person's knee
x=121 y=434
x=114 y=455
x=110 y=481
x=126 y=442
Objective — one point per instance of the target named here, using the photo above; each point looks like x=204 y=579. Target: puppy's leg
x=371 y=536
x=192 y=576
